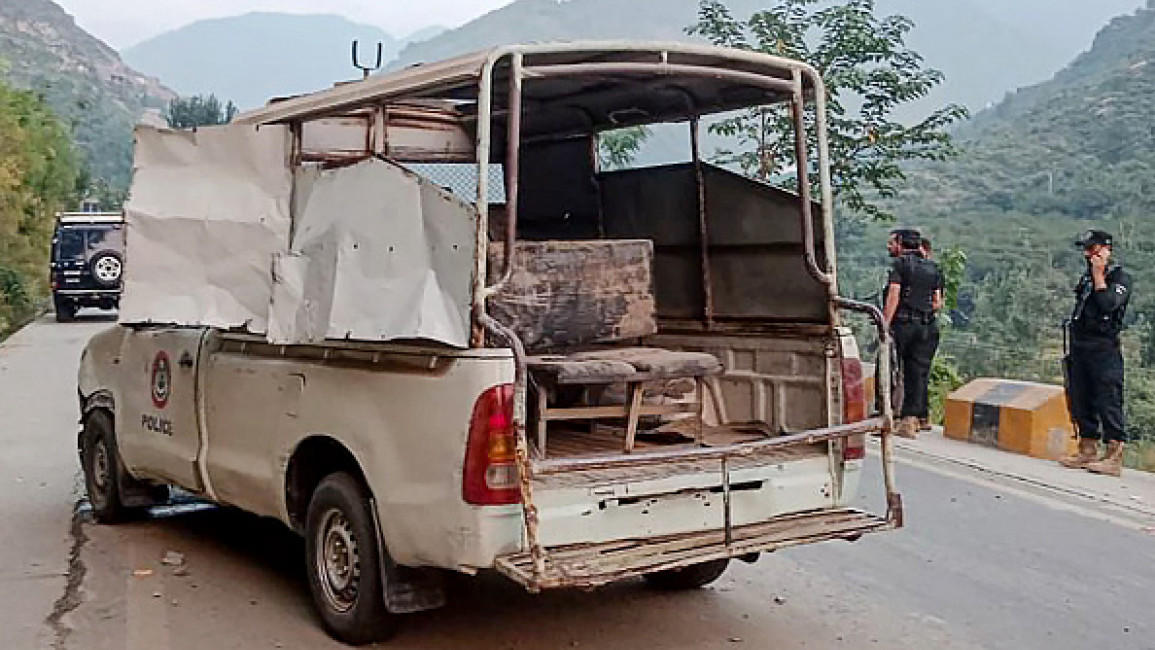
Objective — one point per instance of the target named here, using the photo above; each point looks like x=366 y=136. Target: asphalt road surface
x=986 y=561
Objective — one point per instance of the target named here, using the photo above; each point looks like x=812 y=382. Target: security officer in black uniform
x=913 y=296
x=1095 y=361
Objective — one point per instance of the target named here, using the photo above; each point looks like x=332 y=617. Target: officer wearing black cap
x=913 y=295
x=1095 y=361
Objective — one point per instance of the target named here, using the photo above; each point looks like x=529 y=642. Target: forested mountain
x=985 y=47
x=1080 y=144
x=81 y=78
x=251 y=58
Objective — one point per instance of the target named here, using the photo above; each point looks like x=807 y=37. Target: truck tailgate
x=666 y=523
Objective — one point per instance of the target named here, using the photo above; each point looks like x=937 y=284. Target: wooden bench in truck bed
x=567 y=295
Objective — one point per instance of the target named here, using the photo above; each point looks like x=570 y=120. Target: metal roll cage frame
x=800 y=75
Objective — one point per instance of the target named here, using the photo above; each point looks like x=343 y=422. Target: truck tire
x=103 y=472
x=65 y=310
x=342 y=562
x=691 y=577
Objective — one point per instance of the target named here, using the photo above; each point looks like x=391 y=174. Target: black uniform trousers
x=915 y=343
x=1097 y=388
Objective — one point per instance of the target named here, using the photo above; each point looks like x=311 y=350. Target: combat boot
x=1088 y=453
x=907 y=428
x=1111 y=463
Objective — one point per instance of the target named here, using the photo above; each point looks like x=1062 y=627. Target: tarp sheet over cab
x=370 y=252
x=378 y=253
x=207 y=211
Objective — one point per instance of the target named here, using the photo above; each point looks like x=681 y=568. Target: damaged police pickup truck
x=566 y=375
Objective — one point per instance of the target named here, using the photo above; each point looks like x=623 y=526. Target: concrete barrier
x=1019 y=416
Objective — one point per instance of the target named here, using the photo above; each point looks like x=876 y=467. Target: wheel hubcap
x=101 y=467
x=338 y=561
x=108 y=269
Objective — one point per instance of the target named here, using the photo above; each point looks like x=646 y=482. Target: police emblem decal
x=161 y=380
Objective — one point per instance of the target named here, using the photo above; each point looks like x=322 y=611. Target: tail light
x=490 y=477
x=853 y=407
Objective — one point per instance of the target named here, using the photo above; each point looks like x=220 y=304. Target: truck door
x=157 y=422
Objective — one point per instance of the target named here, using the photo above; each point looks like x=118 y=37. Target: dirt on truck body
x=419 y=324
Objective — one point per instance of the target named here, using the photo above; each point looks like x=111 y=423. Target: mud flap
x=406 y=590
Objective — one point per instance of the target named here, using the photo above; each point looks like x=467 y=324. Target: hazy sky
x=123 y=23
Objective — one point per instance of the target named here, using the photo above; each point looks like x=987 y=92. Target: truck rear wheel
x=65 y=310
x=102 y=469
x=691 y=577
x=343 y=565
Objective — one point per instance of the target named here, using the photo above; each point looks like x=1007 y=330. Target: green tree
x=945 y=376
x=618 y=148
x=199 y=110
x=868 y=70
x=38 y=177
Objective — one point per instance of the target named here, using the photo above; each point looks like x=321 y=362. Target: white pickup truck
x=567 y=375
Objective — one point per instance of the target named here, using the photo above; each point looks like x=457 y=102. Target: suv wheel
x=65 y=310
x=107 y=267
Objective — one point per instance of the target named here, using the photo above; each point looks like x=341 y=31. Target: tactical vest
x=1086 y=320
x=920 y=279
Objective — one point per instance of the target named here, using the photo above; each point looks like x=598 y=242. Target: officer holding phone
x=1095 y=361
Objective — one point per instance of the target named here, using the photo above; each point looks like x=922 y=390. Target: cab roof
x=583 y=95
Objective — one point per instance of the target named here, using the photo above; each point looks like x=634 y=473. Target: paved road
x=991 y=558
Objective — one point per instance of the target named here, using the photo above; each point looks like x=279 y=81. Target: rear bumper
x=87 y=296
x=591 y=565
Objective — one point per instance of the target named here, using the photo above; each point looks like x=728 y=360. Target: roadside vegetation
x=39 y=174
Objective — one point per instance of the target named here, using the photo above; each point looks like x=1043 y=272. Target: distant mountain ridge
x=986 y=48
x=254 y=57
x=84 y=80
x=1080 y=144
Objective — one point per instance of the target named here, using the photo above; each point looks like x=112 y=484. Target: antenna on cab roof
x=365 y=70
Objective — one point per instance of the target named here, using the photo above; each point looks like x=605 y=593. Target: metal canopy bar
x=660 y=69
x=802 y=162
x=512 y=171
x=543 y=468
x=429 y=79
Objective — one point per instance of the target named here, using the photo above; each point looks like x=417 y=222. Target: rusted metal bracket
x=894 y=513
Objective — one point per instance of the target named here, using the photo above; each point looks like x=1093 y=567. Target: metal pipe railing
x=882 y=386
x=658 y=68
x=512 y=170
x=743 y=450
x=524 y=473
x=802 y=163
x=703 y=225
